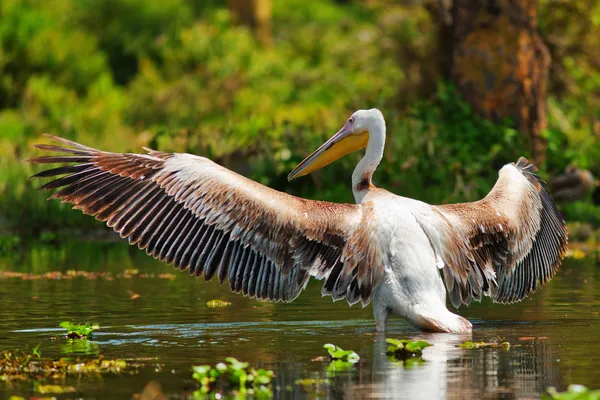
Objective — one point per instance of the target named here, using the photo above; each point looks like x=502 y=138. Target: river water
x=158 y=317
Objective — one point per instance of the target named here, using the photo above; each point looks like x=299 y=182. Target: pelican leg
x=381 y=314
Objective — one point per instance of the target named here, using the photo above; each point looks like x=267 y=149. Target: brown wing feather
x=201 y=217
x=505 y=245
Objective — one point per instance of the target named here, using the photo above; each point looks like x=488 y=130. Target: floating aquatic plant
x=53 y=389
x=341 y=360
x=574 y=392
x=232 y=376
x=337 y=353
x=479 y=345
x=79 y=331
x=218 y=303
x=310 y=384
x=22 y=366
x=15 y=362
x=405 y=348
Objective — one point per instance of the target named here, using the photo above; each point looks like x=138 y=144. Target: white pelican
x=201 y=217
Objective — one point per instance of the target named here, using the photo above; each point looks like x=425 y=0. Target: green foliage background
x=181 y=76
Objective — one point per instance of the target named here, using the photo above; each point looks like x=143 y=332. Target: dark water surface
x=554 y=334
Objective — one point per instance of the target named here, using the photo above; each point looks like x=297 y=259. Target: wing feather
x=190 y=212
x=505 y=245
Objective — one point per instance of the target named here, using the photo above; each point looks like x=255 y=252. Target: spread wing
x=201 y=217
x=505 y=245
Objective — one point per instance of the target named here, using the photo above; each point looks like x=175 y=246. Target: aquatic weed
x=574 y=392
x=337 y=353
x=218 y=303
x=340 y=359
x=233 y=376
x=16 y=361
x=53 y=389
x=20 y=366
x=405 y=348
x=79 y=331
x=478 y=345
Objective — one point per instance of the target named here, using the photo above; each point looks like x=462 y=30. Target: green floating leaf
x=235 y=364
x=417 y=346
x=405 y=348
x=218 y=303
x=337 y=353
x=479 y=345
x=54 y=389
x=394 y=342
x=232 y=376
x=79 y=331
x=201 y=369
x=331 y=348
x=574 y=392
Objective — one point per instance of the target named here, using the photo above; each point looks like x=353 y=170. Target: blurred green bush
x=181 y=76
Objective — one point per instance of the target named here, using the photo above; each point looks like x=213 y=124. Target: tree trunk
x=500 y=64
x=256 y=14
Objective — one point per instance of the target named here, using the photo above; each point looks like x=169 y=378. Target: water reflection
x=451 y=372
x=429 y=380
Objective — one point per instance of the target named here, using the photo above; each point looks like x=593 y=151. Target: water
x=168 y=327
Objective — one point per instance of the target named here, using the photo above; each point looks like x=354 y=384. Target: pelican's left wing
x=505 y=245
x=189 y=211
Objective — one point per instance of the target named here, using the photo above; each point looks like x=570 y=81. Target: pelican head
x=353 y=136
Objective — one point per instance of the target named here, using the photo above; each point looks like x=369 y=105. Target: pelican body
x=404 y=255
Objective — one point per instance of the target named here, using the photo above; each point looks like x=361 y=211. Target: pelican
x=404 y=255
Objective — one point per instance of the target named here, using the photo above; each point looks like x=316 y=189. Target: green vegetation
x=218 y=303
x=182 y=76
x=574 y=392
x=16 y=361
x=405 y=348
x=20 y=366
x=79 y=331
x=234 y=377
x=53 y=389
x=480 y=345
x=406 y=353
x=337 y=353
x=312 y=385
x=339 y=359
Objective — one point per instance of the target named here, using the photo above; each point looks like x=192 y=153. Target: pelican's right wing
x=505 y=245
x=204 y=218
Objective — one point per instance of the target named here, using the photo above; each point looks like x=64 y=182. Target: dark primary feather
x=174 y=208
x=546 y=254
x=506 y=245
